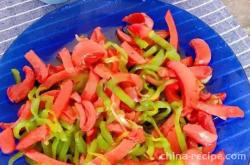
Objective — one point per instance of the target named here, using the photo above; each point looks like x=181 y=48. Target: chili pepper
x=67 y=61
x=172 y=29
x=41 y=70
x=202 y=51
x=16 y=75
x=62 y=98
x=18 y=92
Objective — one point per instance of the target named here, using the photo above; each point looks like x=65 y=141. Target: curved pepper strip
x=131 y=91
x=41 y=70
x=42 y=158
x=139 y=30
x=202 y=72
x=139 y=18
x=7 y=142
x=91 y=116
x=55 y=78
x=124 y=37
x=188 y=61
x=67 y=61
x=172 y=29
x=199 y=134
x=133 y=54
x=202 y=51
x=16 y=75
x=190 y=90
x=172 y=92
x=37 y=135
x=102 y=71
x=82 y=114
x=18 y=92
x=24 y=112
x=87 y=49
x=69 y=115
x=62 y=98
x=90 y=87
x=98 y=36
x=222 y=111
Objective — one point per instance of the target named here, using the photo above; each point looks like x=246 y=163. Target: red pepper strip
x=54 y=69
x=191 y=143
x=98 y=103
x=42 y=158
x=163 y=72
x=190 y=90
x=118 y=153
x=172 y=92
x=90 y=87
x=139 y=18
x=114 y=65
x=132 y=54
x=62 y=98
x=202 y=51
x=172 y=139
x=87 y=48
x=102 y=71
x=199 y=134
x=6 y=125
x=91 y=116
x=167 y=125
x=126 y=108
x=115 y=128
x=201 y=72
x=124 y=37
x=137 y=135
x=36 y=135
x=67 y=61
x=222 y=96
x=188 y=61
x=24 y=112
x=7 y=142
x=131 y=91
x=82 y=114
x=222 y=111
x=194 y=158
x=90 y=135
x=98 y=36
x=204 y=96
x=139 y=30
x=18 y=92
x=76 y=97
x=132 y=115
x=39 y=66
x=141 y=162
x=56 y=78
x=69 y=115
x=172 y=29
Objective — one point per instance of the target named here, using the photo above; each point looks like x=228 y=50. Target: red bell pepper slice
x=98 y=36
x=67 y=61
x=7 y=142
x=54 y=69
x=91 y=116
x=42 y=158
x=63 y=98
x=41 y=70
x=87 y=51
x=189 y=86
x=202 y=72
x=222 y=111
x=90 y=87
x=56 y=78
x=82 y=114
x=172 y=92
x=76 y=97
x=222 y=96
x=131 y=91
x=91 y=135
x=188 y=61
x=139 y=18
x=69 y=115
x=133 y=54
x=115 y=128
x=124 y=37
x=102 y=71
x=199 y=134
x=36 y=135
x=172 y=29
x=54 y=93
x=24 y=112
x=139 y=30
x=4 y=125
x=18 y=92
x=172 y=139
x=202 y=51
x=163 y=72
x=118 y=153
x=137 y=135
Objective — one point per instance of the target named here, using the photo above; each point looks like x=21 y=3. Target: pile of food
x=128 y=103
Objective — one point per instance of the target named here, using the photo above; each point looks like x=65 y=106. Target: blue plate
x=59 y=27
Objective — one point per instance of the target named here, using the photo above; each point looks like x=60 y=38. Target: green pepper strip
x=123 y=55
x=80 y=143
x=14 y=158
x=151 y=149
x=65 y=148
x=105 y=161
x=90 y=149
x=156 y=61
x=160 y=88
x=27 y=124
x=120 y=93
x=165 y=113
x=151 y=73
x=138 y=150
x=151 y=51
x=175 y=162
x=141 y=43
x=16 y=75
x=162 y=142
x=32 y=93
x=105 y=133
x=180 y=135
x=173 y=55
x=54 y=147
x=102 y=144
x=46 y=148
x=35 y=106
